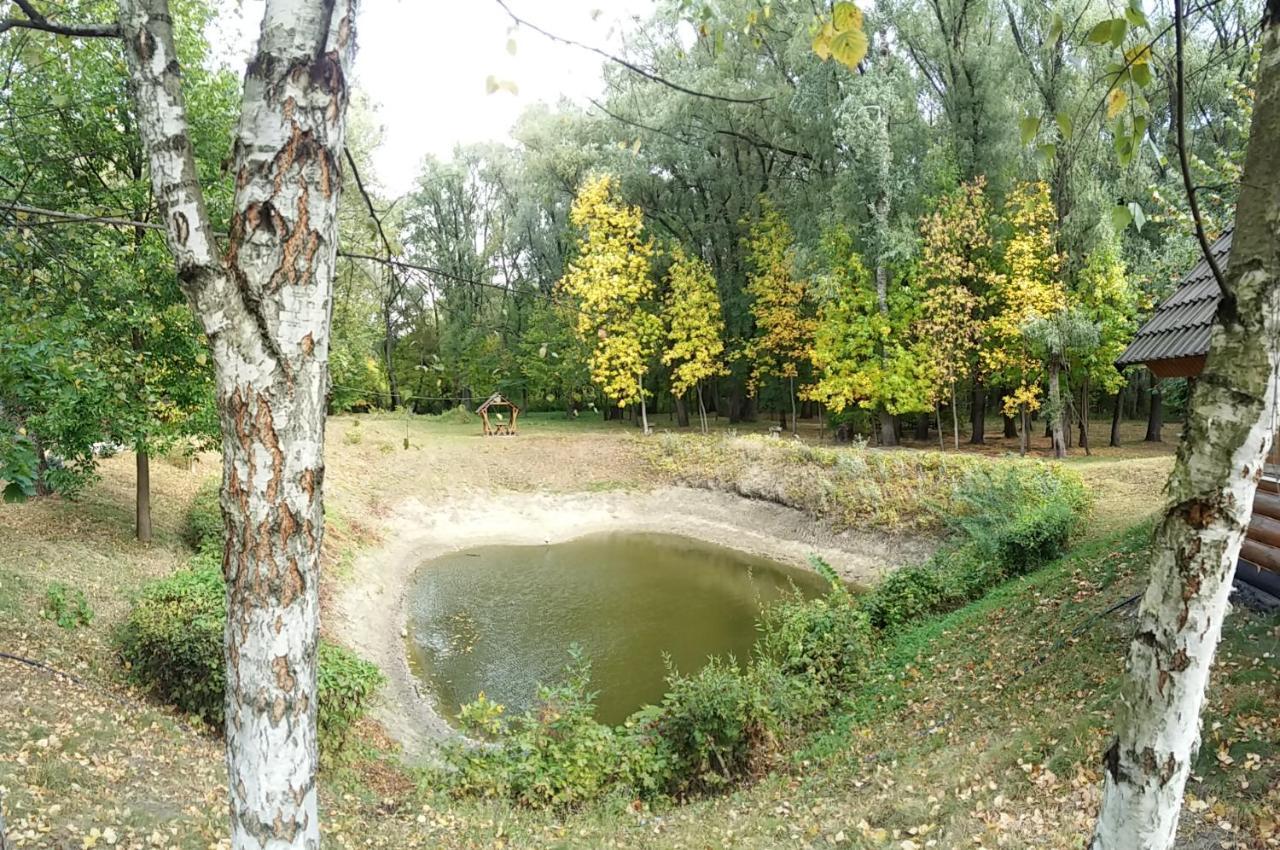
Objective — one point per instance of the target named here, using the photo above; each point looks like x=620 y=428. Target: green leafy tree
x=864 y=354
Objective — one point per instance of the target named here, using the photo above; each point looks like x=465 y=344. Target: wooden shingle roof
x=1180 y=327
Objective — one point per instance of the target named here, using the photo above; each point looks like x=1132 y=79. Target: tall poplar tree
x=610 y=281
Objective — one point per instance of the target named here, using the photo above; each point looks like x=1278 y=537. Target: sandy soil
x=369 y=612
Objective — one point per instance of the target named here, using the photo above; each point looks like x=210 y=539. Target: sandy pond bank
x=369 y=610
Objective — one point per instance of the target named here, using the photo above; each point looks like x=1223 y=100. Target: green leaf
x=1101 y=32
x=1055 y=32
x=1124 y=149
x=15 y=492
x=1119 y=26
x=1064 y=125
x=1139 y=217
x=1029 y=126
x=1141 y=74
x=1135 y=15
x=1120 y=218
x=1047 y=151
x=511 y=46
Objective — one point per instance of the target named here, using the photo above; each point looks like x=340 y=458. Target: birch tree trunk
x=1228 y=432
x=265 y=307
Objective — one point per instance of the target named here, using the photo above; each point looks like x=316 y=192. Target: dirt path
x=369 y=611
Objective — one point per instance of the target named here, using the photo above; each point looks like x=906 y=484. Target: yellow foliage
x=1031 y=289
x=957 y=268
x=784 y=334
x=610 y=280
x=695 y=325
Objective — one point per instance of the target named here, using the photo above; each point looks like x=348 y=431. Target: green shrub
x=205 y=530
x=554 y=754
x=172 y=641
x=172 y=644
x=905 y=595
x=709 y=730
x=1010 y=519
x=66 y=606
x=345 y=685
x=825 y=641
x=1019 y=514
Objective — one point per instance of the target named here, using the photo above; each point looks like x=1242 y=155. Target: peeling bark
x=1220 y=459
x=266 y=308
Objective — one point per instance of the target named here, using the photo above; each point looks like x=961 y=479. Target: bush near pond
x=721 y=725
x=172 y=642
x=205 y=531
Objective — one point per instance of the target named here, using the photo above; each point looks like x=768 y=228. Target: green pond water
x=500 y=619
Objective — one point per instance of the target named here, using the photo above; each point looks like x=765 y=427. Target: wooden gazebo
x=494 y=403
x=1173 y=344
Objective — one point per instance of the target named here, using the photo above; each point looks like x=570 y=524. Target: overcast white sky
x=426 y=61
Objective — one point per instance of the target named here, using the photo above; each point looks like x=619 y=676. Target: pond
x=501 y=619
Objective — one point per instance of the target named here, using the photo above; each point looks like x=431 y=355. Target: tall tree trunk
x=1155 y=414
x=142 y=495
x=955 y=416
x=1115 y=419
x=1057 y=409
x=1084 y=416
x=388 y=353
x=888 y=428
x=682 y=412
x=978 y=415
x=922 y=426
x=1024 y=438
x=644 y=411
x=1010 y=426
x=791 y=389
x=1228 y=431
x=142 y=465
x=702 y=410
x=264 y=306
x=937 y=410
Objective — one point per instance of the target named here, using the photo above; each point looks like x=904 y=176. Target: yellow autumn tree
x=610 y=281
x=957 y=269
x=1030 y=289
x=784 y=333
x=695 y=327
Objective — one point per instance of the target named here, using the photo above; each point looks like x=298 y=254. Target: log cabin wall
x=1260 y=554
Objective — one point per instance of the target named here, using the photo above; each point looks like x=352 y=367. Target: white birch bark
x=266 y=307
x=1220 y=459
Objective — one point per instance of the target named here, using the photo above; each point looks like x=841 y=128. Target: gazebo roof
x=496 y=398
x=1179 y=329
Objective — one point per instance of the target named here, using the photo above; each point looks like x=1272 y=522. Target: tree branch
x=1180 y=121
x=36 y=21
x=633 y=68
x=58 y=217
